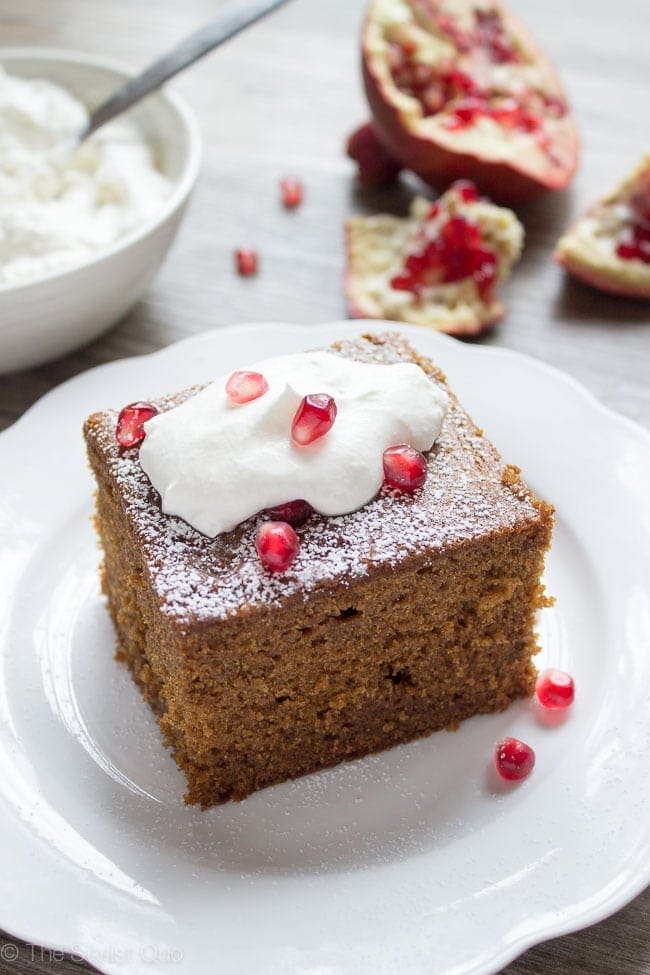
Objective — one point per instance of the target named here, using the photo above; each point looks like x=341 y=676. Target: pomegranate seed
x=637 y=246
x=410 y=47
x=555 y=106
x=295 y=513
x=243 y=386
x=292 y=192
x=485 y=271
x=247 y=261
x=129 y=431
x=514 y=759
x=555 y=689
x=432 y=99
x=277 y=545
x=490 y=34
x=460 y=81
x=404 y=467
x=447 y=25
x=314 y=418
x=466 y=190
x=466 y=112
x=626 y=251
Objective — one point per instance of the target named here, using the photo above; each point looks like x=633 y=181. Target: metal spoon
x=234 y=17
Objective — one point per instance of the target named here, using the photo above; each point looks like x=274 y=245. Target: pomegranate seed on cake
x=404 y=467
x=295 y=513
x=244 y=386
x=314 y=418
x=277 y=545
x=129 y=431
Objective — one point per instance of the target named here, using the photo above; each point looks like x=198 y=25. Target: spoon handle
x=235 y=16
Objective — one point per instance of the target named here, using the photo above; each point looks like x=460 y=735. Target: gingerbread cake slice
x=405 y=616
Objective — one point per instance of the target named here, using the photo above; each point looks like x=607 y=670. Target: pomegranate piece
x=443 y=106
x=129 y=431
x=313 y=419
x=244 y=386
x=439 y=268
x=292 y=192
x=513 y=759
x=376 y=167
x=277 y=545
x=555 y=689
x=609 y=247
x=295 y=513
x=404 y=467
x=246 y=261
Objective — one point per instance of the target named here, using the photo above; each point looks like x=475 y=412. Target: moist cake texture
x=404 y=617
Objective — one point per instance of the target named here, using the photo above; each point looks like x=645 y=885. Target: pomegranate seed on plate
x=404 y=467
x=129 y=431
x=295 y=513
x=637 y=244
x=555 y=689
x=514 y=759
x=244 y=386
x=247 y=261
x=277 y=545
x=292 y=192
x=313 y=419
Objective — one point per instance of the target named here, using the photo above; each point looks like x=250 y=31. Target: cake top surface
x=469 y=494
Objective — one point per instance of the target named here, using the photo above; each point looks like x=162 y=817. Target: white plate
x=409 y=861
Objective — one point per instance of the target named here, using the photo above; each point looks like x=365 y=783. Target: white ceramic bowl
x=47 y=318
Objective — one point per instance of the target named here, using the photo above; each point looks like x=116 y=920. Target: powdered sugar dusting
x=199 y=580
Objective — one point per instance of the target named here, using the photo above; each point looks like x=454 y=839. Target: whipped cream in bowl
x=63 y=203
x=82 y=231
x=215 y=463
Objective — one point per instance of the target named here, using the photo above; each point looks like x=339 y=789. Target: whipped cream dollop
x=215 y=464
x=59 y=205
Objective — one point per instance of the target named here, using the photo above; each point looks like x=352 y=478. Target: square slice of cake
x=405 y=616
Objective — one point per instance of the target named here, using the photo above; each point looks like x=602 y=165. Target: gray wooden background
x=280 y=100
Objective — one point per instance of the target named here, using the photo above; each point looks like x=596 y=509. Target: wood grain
x=280 y=100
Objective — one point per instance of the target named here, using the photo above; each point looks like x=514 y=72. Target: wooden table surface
x=280 y=99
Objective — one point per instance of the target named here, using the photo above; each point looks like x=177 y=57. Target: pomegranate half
x=609 y=247
x=458 y=88
x=439 y=268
